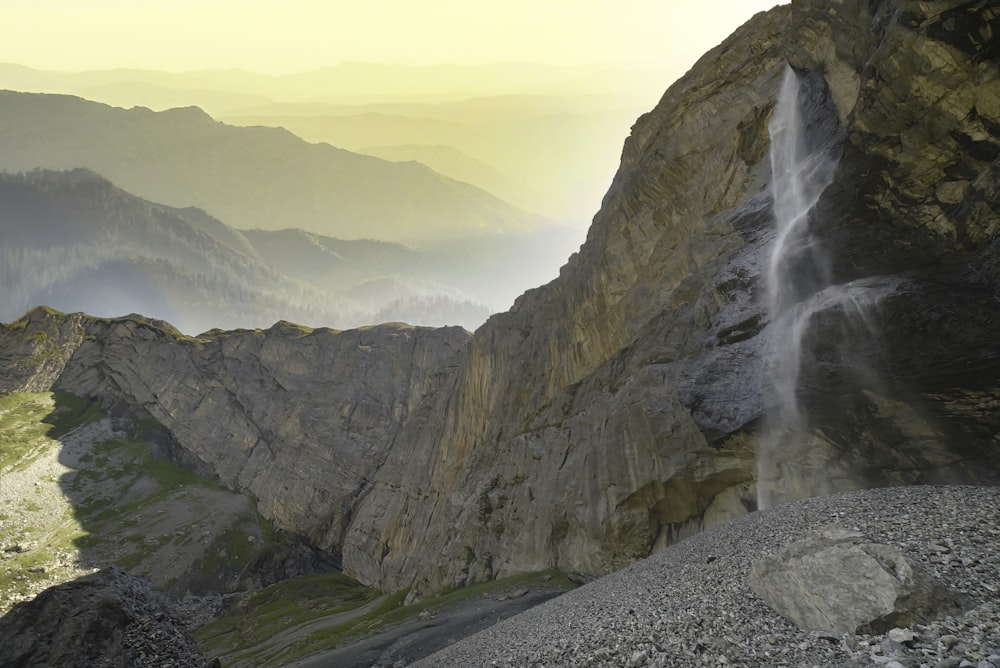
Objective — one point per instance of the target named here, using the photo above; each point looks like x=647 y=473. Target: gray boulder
x=839 y=580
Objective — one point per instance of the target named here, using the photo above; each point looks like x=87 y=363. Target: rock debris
x=691 y=605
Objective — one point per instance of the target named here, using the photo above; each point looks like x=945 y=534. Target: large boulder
x=839 y=580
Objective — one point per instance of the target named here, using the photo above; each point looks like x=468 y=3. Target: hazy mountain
x=556 y=159
x=453 y=163
x=157 y=97
x=249 y=177
x=549 y=154
x=74 y=241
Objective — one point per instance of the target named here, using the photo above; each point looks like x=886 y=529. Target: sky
x=280 y=37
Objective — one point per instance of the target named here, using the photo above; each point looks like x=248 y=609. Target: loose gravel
x=691 y=606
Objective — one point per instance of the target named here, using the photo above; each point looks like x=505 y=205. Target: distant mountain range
x=74 y=241
x=550 y=154
x=544 y=138
x=249 y=177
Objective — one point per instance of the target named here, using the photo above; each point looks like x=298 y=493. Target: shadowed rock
x=106 y=619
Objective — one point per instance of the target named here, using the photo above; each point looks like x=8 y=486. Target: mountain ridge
x=252 y=177
x=77 y=242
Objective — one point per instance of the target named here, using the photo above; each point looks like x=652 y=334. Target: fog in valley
x=331 y=192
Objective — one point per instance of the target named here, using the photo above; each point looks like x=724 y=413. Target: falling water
x=798 y=178
x=796 y=266
x=798 y=287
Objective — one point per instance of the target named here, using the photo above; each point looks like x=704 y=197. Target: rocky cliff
x=622 y=406
x=300 y=419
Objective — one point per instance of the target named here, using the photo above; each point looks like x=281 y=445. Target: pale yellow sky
x=287 y=36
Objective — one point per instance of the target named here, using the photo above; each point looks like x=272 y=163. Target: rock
x=98 y=620
x=950 y=662
x=901 y=636
x=840 y=580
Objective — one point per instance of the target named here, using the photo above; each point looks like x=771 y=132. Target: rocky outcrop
x=619 y=408
x=106 y=619
x=840 y=581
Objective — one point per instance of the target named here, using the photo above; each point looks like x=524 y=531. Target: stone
x=839 y=580
x=901 y=636
x=106 y=618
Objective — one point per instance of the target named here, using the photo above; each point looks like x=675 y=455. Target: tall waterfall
x=798 y=178
x=796 y=263
x=799 y=287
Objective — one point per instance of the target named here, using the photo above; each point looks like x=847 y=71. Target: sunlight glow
x=298 y=35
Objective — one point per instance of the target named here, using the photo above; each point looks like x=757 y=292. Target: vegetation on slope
x=79 y=492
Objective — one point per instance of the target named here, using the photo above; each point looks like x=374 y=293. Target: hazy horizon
x=304 y=35
x=529 y=101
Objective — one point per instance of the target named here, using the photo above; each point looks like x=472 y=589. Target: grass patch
x=116 y=501
x=312 y=614
x=23 y=434
x=71 y=412
x=243 y=635
x=29 y=419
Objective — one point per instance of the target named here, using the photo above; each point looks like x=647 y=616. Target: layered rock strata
x=618 y=408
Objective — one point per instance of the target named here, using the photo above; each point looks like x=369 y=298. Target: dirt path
x=271 y=649
x=413 y=640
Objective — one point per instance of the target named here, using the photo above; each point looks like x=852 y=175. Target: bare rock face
x=619 y=408
x=298 y=419
x=840 y=581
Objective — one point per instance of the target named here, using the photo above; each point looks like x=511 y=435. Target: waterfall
x=798 y=287
x=798 y=177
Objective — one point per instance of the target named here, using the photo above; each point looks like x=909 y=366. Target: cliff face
x=622 y=406
x=299 y=419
